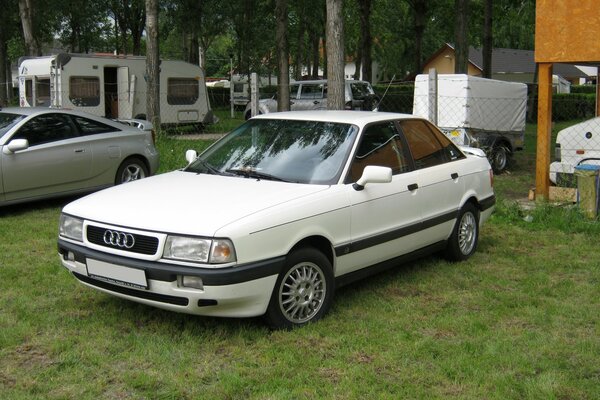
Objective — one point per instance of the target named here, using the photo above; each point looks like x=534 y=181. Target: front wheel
x=131 y=169
x=303 y=292
x=465 y=235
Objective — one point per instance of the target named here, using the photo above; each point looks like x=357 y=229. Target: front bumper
x=240 y=291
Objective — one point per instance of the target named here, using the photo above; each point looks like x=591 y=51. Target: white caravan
x=114 y=87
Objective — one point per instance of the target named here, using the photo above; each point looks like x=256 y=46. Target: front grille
x=163 y=298
x=143 y=244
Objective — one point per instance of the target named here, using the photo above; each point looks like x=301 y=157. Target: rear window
x=360 y=90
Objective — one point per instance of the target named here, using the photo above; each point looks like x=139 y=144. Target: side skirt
x=388 y=264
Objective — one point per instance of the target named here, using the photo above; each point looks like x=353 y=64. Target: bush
x=590 y=89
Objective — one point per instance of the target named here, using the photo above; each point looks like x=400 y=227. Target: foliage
x=246 y=30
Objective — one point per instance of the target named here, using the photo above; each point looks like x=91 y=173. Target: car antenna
x=386 y=90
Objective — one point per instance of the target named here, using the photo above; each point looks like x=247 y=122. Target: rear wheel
x=303 y=292
x=465 y=235
x=131 y=169
x=500 y=158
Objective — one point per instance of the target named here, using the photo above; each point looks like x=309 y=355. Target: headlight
x=184 y=248
x=71 y=227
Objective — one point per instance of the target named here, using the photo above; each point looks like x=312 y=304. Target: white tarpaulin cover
x=471 y=102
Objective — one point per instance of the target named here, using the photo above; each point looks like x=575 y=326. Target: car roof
x=28 y=111
x=360 y=118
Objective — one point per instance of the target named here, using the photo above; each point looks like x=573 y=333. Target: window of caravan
x=42 y=92
x=29 y=91
x=84 y=91
x=182 y=91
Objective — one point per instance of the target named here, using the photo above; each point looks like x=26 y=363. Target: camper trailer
x=113 y=87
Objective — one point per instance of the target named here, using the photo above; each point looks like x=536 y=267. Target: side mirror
x=373 y=174
x=190 y=156
x=16 y=145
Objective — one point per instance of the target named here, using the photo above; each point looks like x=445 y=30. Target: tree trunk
x=315 y=55
x=26 y=13
x=419 y=21
x=487 y=40
x=365 y=39
x=335 y=55
x=460 y=33
x=5 y=75
x=283 y=82
x=152 y=64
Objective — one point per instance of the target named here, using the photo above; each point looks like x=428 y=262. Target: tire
x=465 y=235
x=131 y=169
x=500 y=158
x=303 y=291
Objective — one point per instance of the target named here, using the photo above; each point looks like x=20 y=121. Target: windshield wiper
x=209 y=168
x=253 y=173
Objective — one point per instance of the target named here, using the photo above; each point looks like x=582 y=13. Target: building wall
x=444 y=64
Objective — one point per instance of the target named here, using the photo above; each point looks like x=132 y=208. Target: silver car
x=312 y=95
x=47 y=152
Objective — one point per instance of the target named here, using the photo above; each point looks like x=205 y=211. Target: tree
x=461 y=40
x=335 y=55
x=283 y=89
x=26 y=12
x=129 y=16
x=152 y=63
x=82 y=28
x=488 y=42
x=419 y=11
x=365 y=39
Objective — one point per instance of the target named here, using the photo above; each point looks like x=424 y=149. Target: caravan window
x=182 y=91
x=42 y=92
x=84 y=91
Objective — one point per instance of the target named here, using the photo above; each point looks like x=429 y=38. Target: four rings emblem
x=119 y=239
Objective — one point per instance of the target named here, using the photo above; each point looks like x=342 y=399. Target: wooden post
x=544 y=130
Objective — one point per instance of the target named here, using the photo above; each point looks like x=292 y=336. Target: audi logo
x=119 y=239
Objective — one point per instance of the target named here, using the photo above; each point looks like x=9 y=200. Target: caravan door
x=126 y=92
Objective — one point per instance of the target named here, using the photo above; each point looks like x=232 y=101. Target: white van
x=576 y=145
x=114 y=87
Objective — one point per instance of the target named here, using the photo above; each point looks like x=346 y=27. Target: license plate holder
x=117 y=274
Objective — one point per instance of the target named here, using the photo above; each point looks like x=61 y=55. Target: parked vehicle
x=312 y=95
x=576 y=145
x=114 y=87
x=272 y=218
x=47 y=152
x=478 y=112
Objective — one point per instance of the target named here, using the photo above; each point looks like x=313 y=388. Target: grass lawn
x=518 y=320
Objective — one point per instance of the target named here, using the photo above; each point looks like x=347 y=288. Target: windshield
x=283 y=150
x=7 y=121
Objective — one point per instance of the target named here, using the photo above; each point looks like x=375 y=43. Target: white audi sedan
x=275 y=216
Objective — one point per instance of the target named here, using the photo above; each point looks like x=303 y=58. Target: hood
x=187 y=203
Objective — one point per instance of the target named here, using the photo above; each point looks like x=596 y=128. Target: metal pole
x=432 y=96
x=231 y=85
x=254 y=93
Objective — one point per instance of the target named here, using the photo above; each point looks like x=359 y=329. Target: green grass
x=518 y=320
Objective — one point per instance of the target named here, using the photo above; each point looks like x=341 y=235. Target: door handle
x=80 y=151
x=413 y=186
x=316 y=102
x=454 y=175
